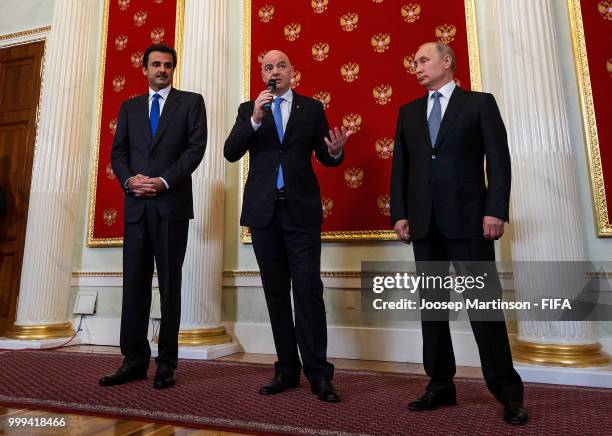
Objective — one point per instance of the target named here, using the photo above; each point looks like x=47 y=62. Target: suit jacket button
x=433 y=156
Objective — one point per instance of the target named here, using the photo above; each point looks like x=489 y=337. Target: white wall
x=18 y=15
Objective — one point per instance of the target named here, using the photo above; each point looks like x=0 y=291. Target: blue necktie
x=278 y=120
x=154 y=116
x=435 y=118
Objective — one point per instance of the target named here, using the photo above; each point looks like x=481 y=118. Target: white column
x=204 y=69
x=544 y=208
x=53 y=213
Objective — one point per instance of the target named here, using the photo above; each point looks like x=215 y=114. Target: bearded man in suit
x=159 y=142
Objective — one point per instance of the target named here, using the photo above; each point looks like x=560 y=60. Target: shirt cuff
x=255 y=125
x=165 y=183
x=336 y=156
x=126 y=183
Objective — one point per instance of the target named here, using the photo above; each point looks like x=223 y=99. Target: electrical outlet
x=85 y=303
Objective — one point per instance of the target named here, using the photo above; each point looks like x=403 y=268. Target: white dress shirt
x=446 y=91
x=285 y=109
x=285 y=112
x=162 y=101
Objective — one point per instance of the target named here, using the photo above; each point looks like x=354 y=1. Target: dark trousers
x=149 y=240
x=289 y=255
x=470 y=257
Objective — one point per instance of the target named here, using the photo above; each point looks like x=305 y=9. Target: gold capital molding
x=25 y=33
x=506 y=275
x=41 y=332
x=567 y=355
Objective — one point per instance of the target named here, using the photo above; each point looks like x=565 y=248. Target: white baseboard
x=591 y=377
x=204 y=353
x=105 y=331
x=405 y=345
x=363 y=343
x=17 y=344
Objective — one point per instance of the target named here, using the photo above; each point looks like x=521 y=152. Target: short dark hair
x=161 y=48
x=446 y=50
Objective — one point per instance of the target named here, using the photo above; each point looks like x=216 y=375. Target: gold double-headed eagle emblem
x=350 y=71
x=327 y=204
x=324 y=97
x=446 y=33
x=109 y=216
x=320 y=51
x=121 y=42
x=292 y=31
x=295 y=79
x=409 y=64
x=319 y=6
x=118 y=83
x=605 y=9
x=136 y=59
x=266 y=13
x=352 y=122
x=384 y=204
x=123 y=4
x=410 y=12
x=157 y=35
x=140 y=18
x=348 y=21
x=382 y=94
x=384 y=148
x=353 y=177
x=380 y=42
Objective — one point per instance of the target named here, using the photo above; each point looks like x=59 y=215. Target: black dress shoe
x=515 y=414
x=124 y=374
x=279 y=384
x=165 y=376
x=431 y=400
x=325 y=391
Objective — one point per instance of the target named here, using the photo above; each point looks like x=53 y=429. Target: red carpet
x=224 y=395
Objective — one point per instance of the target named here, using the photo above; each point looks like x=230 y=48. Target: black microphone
x=271 y=87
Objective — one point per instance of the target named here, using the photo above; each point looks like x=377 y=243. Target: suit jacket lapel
x=296 y=108
x=143 y=117
x=167 y=114
x=267 y=124
x=456 y=102
x=423 y=120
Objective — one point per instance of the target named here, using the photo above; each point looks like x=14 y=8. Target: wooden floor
x=92 y=425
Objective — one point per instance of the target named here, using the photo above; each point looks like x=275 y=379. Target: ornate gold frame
x=366 y=235
x=583 y=78
x=178 y=45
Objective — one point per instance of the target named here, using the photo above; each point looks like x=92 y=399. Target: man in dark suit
x=440 y=202
x=160 y=140
x=282 y=206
